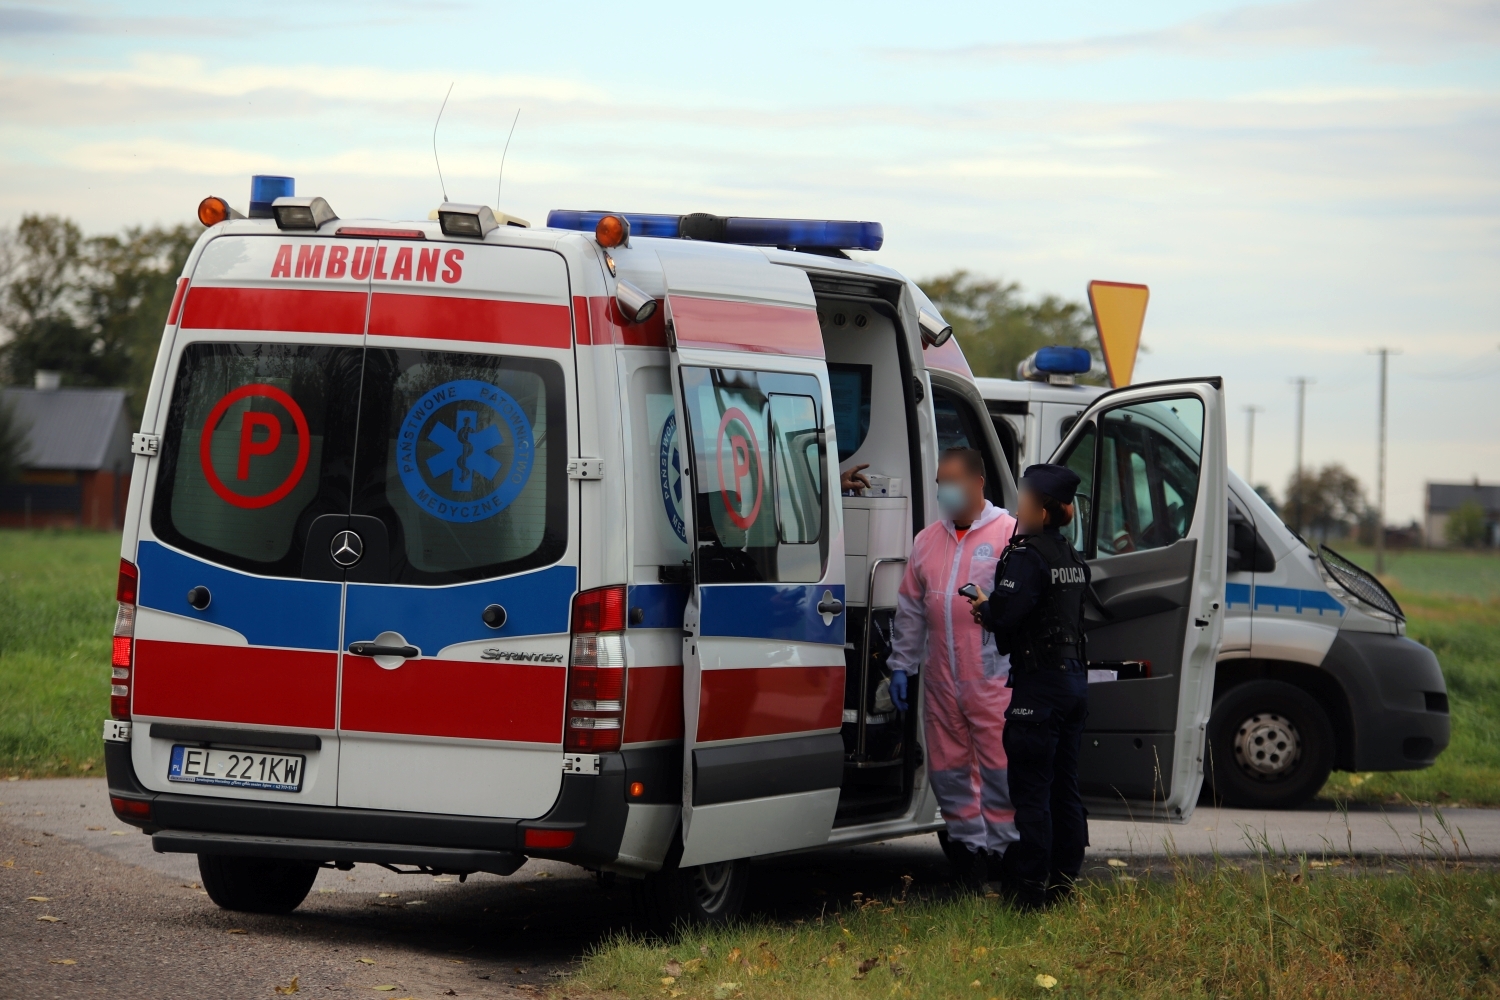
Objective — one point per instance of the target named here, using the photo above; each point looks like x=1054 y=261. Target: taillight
x=596 y=672
x=121 y=659
x=128 y=809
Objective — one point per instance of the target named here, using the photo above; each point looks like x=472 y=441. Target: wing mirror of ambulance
x=635 y=305
x=935 y=329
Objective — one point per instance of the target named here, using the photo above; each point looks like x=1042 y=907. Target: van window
x=464 y=457
x=1149 y=455
x=761 y=512
x=849 y=386
x=258 y=442
x=1081 y=460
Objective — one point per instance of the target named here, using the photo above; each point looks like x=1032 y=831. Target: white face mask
x=953 y=500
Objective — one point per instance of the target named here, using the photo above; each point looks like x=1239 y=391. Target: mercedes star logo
x=347 y=547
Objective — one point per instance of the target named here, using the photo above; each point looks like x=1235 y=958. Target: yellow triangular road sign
x=1119 y=313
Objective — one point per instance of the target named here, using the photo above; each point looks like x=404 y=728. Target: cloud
x=1395 y=29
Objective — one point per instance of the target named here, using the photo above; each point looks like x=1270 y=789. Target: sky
x=1298 y=183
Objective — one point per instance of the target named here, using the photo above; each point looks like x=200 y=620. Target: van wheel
x=703 y=895
x=256 y=885
x=1270 y=746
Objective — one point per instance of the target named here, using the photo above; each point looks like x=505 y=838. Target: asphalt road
x=132 y=923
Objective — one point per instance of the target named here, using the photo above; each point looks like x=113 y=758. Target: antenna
x=502 y=158
x=441 y=183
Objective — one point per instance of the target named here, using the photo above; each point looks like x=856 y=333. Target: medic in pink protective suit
x=964 y=683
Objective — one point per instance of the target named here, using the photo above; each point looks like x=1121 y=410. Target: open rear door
x=1151 y=522
x=763 y=633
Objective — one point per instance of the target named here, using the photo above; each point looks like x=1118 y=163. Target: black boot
x=971 y=868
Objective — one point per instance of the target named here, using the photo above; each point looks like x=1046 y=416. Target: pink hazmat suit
x=963 y=686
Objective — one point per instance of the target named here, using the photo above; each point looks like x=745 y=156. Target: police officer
x=1036 y=613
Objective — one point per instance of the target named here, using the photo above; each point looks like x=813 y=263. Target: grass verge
x=57 y=604
x=1222 y=931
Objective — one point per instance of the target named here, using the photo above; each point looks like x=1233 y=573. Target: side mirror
x=935 y=329
x=635 y=305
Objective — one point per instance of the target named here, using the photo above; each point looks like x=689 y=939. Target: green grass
x=1452 y=602
x=1277 y=929
x=57 y=606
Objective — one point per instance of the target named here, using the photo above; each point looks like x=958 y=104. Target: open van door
x=1151 y=522
x=764 y=628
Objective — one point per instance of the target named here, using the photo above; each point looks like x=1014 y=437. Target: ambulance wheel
x=1270 y=746
x=703 y=895
x=256 y=885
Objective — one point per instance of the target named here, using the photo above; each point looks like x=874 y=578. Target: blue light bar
x=821 y=234
x=266 y=188
x=1063 y=360
x=665 y=226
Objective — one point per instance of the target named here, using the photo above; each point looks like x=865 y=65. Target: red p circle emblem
x=251 y=446
x=740 y=444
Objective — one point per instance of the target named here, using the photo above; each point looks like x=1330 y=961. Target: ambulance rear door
x=235 y=675
x=456 y=617
x=764 y=629
x=1151 y=521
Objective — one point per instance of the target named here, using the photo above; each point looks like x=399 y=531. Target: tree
x=1465 y=527
x=12 y=443
x=998 y=330
x=1328 y=503
x=90 y=308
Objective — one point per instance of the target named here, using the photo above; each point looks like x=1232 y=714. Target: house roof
x=1442 y=497
x=85 y=429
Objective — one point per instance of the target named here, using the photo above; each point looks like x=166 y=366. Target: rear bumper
x=592 y=807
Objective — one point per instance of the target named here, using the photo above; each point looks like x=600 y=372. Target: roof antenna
x=441 y=183
x=502 y=158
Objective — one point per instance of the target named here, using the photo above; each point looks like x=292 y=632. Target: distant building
x=77 y=462
x=1444 y=498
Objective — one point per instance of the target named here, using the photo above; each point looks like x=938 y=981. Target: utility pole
x=1384 y=353
x=1250 y=412
x=1301 y=382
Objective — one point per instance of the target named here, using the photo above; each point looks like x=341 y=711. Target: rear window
x=464 y=457
x=258 y=442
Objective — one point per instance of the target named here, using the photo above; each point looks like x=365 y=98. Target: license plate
x=237 y=768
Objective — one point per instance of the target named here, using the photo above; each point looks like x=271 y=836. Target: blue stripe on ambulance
x=433 y=617
x=267 y=611
x=770 y=611
x=661 y=604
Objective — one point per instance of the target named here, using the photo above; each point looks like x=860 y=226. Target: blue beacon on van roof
x=804 y=234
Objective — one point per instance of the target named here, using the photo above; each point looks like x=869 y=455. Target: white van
x=452 y=543
x=1315 y=671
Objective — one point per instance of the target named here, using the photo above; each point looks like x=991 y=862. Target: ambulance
x=457 y=542
x=1315 y=670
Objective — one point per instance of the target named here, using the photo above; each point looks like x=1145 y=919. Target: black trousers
x=1043 y=731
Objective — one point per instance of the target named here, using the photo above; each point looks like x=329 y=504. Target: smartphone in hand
x=969 y=590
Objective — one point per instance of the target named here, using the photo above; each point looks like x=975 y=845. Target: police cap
x=1056 y=481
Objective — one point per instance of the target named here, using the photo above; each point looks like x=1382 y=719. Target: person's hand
x=976 y=605
x=854 y=479
x=898 y=689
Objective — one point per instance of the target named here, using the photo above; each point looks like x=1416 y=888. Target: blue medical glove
x=898 y=689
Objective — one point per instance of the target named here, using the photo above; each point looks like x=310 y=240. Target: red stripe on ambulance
x=519 y=702
x=289 y=310
x=746 y=326
x=246 y=684
x=736 y=704
x=490 y=321
x=653 y=703
x=607 y=326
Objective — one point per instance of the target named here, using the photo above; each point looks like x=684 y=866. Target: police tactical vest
x=1053 y=631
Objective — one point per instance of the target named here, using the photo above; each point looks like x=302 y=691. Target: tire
x=700 y=896
x=1270 y=746
x=256 y=885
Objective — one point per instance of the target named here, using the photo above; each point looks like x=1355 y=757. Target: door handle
x=376 y=649
x=830 y=605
